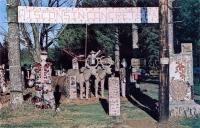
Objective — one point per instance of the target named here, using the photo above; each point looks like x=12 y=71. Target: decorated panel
x=181 y=76
x=72 y=87
x=186 y=47
x=114 y=96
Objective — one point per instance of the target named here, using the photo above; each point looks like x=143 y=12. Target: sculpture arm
x=32 y=77
x=97 y=53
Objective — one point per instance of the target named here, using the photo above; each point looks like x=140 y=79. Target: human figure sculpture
x=100 y=77
x=2 y=78
x=92 y=57
x=75 y=63
x=84 y=78
x=41 y=75
x=123 y=77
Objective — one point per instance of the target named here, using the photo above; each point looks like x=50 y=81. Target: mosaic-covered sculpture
x=99 y=67
x=2 y=78
x=123 y=77
x=41 y=76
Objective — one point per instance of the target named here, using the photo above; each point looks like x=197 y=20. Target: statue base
x=184 y=108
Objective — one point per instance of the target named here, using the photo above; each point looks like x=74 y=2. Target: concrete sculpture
x=41 y=76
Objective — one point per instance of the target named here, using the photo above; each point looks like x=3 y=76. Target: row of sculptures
x=45 y=84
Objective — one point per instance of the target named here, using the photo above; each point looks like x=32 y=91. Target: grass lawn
x=92 y=113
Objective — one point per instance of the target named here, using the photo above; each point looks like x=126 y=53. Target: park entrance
x=129 y=15
x=114 y=16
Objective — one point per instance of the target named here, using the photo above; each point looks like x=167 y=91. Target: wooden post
x=164 y=62
x=16 y=96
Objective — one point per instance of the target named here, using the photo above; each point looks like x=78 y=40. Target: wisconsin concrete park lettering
x=68 y=15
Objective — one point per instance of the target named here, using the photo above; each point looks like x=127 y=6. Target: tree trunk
x=134 y=32
x=134 y=36
x=36 y=55
x=16 y=96
x=135 y=46
x=164 y=63
x=170 y=27
x=117 y=55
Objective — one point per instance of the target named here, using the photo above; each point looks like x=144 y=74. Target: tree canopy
x=187 y=31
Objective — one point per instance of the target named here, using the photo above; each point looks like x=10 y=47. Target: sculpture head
x=92 y=52
x=124 y=63
x=43 y=55
x=2 y=66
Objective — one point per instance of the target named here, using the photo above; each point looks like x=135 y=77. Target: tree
x=72 y=39
x=98 y=36
x=149 y=43
x=189 y=29
x=26 y=57
x=37 y=35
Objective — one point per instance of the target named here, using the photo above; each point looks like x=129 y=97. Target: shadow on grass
x=104 y=104
x=145 y=103
x=57 y=96
x=27 y=96
x=197 y=101
x=151 y=81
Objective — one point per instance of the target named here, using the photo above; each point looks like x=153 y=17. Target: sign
x=164 y=60
x=114 y=96
x=186 y=47
x=72 y=87
x=138 y=62
x=27 y=14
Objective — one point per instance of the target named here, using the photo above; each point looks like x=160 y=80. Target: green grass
x=193 y=122
x=82 y=115
x=197 y=88
x=129 y=111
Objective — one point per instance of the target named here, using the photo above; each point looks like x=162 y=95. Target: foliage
x=189 y=29
x=97 y=36
x=197 y=88
x=149 y=43
x=103 y=36
x=147 y=3
x=60 y=59
x=74 y=39
x=26 y=57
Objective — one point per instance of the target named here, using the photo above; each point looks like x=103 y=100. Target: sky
x=3 y=18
